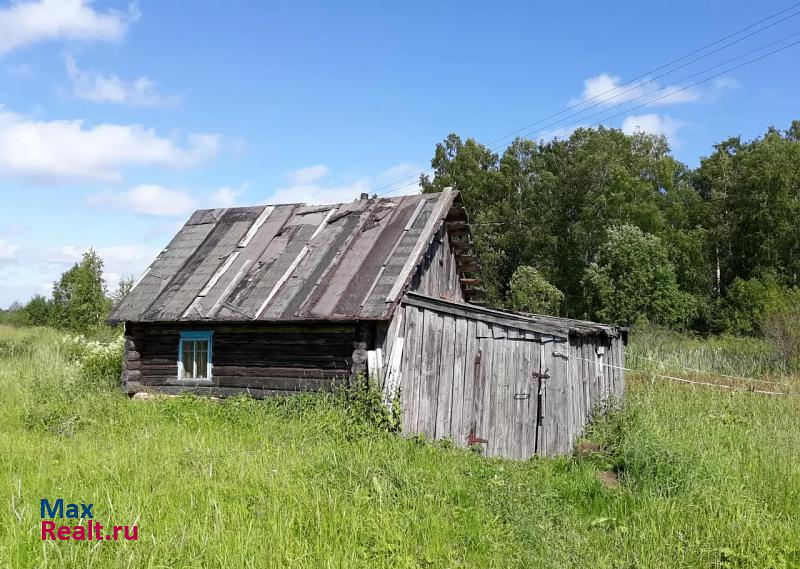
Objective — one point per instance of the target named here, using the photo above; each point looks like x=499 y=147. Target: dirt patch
x=607 y=478
x=587 y=448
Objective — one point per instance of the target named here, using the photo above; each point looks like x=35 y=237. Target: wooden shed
x=277 y=299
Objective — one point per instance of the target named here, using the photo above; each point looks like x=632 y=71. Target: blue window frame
x=194 y=355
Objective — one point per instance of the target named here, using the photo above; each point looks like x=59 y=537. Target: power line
x=635 y=84
x=670 y=93
x=635 y=79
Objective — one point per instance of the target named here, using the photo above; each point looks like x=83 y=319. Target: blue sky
x=117 y=119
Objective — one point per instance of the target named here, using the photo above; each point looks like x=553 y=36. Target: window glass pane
x=201 y=358
x=202 y=364
x=195 y=358
x=188 y=359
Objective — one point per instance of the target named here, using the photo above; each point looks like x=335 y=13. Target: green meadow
x=679 y=476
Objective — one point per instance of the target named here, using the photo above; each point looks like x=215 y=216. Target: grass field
x=707 y=478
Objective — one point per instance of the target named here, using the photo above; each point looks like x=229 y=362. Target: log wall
x=263 y=359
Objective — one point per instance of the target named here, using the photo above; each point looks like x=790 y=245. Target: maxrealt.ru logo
x=89 y=531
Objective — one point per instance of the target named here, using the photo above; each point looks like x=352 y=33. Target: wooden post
x=364 y=339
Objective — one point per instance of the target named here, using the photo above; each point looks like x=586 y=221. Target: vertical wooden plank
x=414 y=333
x=444 y=407
x=372 y=365
x=499 y=387
x=577 y=379
x=524 y=396
x=553 y=399
x=527 y=385
x=563 y=421
x=471 y=372
x=541 y=431
x=588 y=369
x=431 y=358
x=483 y=394
x=460 y=339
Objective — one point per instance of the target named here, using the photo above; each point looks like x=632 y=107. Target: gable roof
x=347 y=261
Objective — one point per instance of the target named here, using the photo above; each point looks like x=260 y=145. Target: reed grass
x=706 y=479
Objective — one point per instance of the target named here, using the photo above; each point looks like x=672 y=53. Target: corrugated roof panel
x=285 y=262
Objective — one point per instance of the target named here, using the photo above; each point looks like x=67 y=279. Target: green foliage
x=634 y=281
x=550 y=205
x=38 y=311
x=124 y=287
x=530 y=292
x=780 y=326
x=79 y=296
x=658 y=350
x=742 y=308
x=751 y=188
x=362 y=401
x=707 y=478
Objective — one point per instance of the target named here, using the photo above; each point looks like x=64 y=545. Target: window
x=194 y=355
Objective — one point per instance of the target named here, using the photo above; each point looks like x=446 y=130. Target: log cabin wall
x=262 y=359
x=514 y=387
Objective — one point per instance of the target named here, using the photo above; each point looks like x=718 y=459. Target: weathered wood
x=460 y=340
x=435 y=218
x=301 y=255
x=485 y=315
x=199 y=268
x=431 y=357
x=412 y=368
x=161 y=272
x=444 y=405
x=468 y=420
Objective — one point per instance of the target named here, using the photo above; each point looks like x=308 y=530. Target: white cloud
x=227 y=196
x=148 y=199
x=307 y=175
x=66 y=149
x=41 y=267
x=403 y=177
x=314 y=194
x=7 y=250
x=26 y=23
x=99 y=88
x=653 y=124
x=607 y=90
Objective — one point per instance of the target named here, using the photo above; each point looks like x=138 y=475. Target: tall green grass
x=707 y=479
x=657 y=350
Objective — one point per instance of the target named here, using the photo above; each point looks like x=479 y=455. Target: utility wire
x=631 y=81
x=670 y=93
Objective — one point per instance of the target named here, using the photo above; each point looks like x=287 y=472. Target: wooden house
x=284 y=298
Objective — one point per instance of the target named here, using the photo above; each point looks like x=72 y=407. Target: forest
x=611 y=227
x=601 y=226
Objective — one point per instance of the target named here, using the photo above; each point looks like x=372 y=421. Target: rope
x=713 y=372
x=704 y=383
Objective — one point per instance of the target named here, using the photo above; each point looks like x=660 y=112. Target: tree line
x=600 y=225
x=80 y=299
x=607 y=226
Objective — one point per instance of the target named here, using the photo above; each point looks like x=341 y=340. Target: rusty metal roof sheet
x=347 y=261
